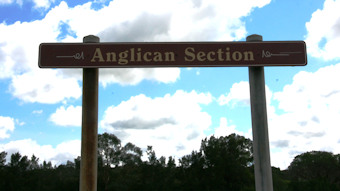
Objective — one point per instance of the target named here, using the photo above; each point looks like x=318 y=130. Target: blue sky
x=172 y=109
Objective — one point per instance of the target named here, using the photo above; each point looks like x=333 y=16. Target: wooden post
x=89 y=133
x=263 y=171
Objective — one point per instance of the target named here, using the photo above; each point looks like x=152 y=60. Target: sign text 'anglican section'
x=180 y=54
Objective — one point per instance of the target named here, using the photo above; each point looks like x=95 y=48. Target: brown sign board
x=172 y=54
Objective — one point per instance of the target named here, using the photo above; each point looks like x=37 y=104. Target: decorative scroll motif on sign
x=77 y=56
x=268 y=54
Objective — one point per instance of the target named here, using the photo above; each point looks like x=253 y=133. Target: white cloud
x=45 y=86
x=20 y=123
x=309 y=116
x=38 y=112
x=239 y=95
x=42 y=3
x=173 y=124
x=7 y=125
x=204 y=20
x=134 y=76
x=315 y=91
x=323 y=37
x=70 y=116
x=312 y=115
x=19 y=63
x=225 y=129
x=163 y=21
x=67 y=150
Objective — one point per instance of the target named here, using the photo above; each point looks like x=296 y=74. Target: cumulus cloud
x=42 y=3
x=67 y=150
x=133 y=76
x=44 y=86
x=173 y=124
x=204 y=20
x=306 y=116
x=116 y=21
x=225 y=129
x=311 y=90
x=323 y=37
x=70 y=116
x=239 y=95
x=7 y=124
x=310 y=117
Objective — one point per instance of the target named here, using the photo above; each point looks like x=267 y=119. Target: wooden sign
x=171 y=54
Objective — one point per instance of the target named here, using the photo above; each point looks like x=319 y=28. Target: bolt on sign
x=172 y=54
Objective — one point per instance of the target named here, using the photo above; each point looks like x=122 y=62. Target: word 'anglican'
x=190 y=55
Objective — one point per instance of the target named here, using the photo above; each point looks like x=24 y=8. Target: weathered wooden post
x=263 y=171
x=89 y=130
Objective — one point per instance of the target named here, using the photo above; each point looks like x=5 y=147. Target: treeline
x=224 y=163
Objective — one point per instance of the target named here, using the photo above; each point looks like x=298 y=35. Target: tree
x=171 y=162
x=280 y=179
x=3 y=155
x=233 y=147
x=317 y=169
x=15 y=159
x=222 y=163
x=111 y=154
x=19 y=162
x=17 y=171
x=337 y=157
x=67 y=178
x=227 y=160
x=77 y=163
x=131 y=154
x=34 y=163
x=193 y=171
x=109 y=148
x=3 y=173
x=47 y=165
x=314 y=165
x=151 y=156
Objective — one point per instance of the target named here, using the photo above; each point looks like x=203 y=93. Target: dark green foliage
x=3 y=158
x=23 y=174
x=221 y=163
x=280 y=179
x=109 y=148
x=315 y=170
